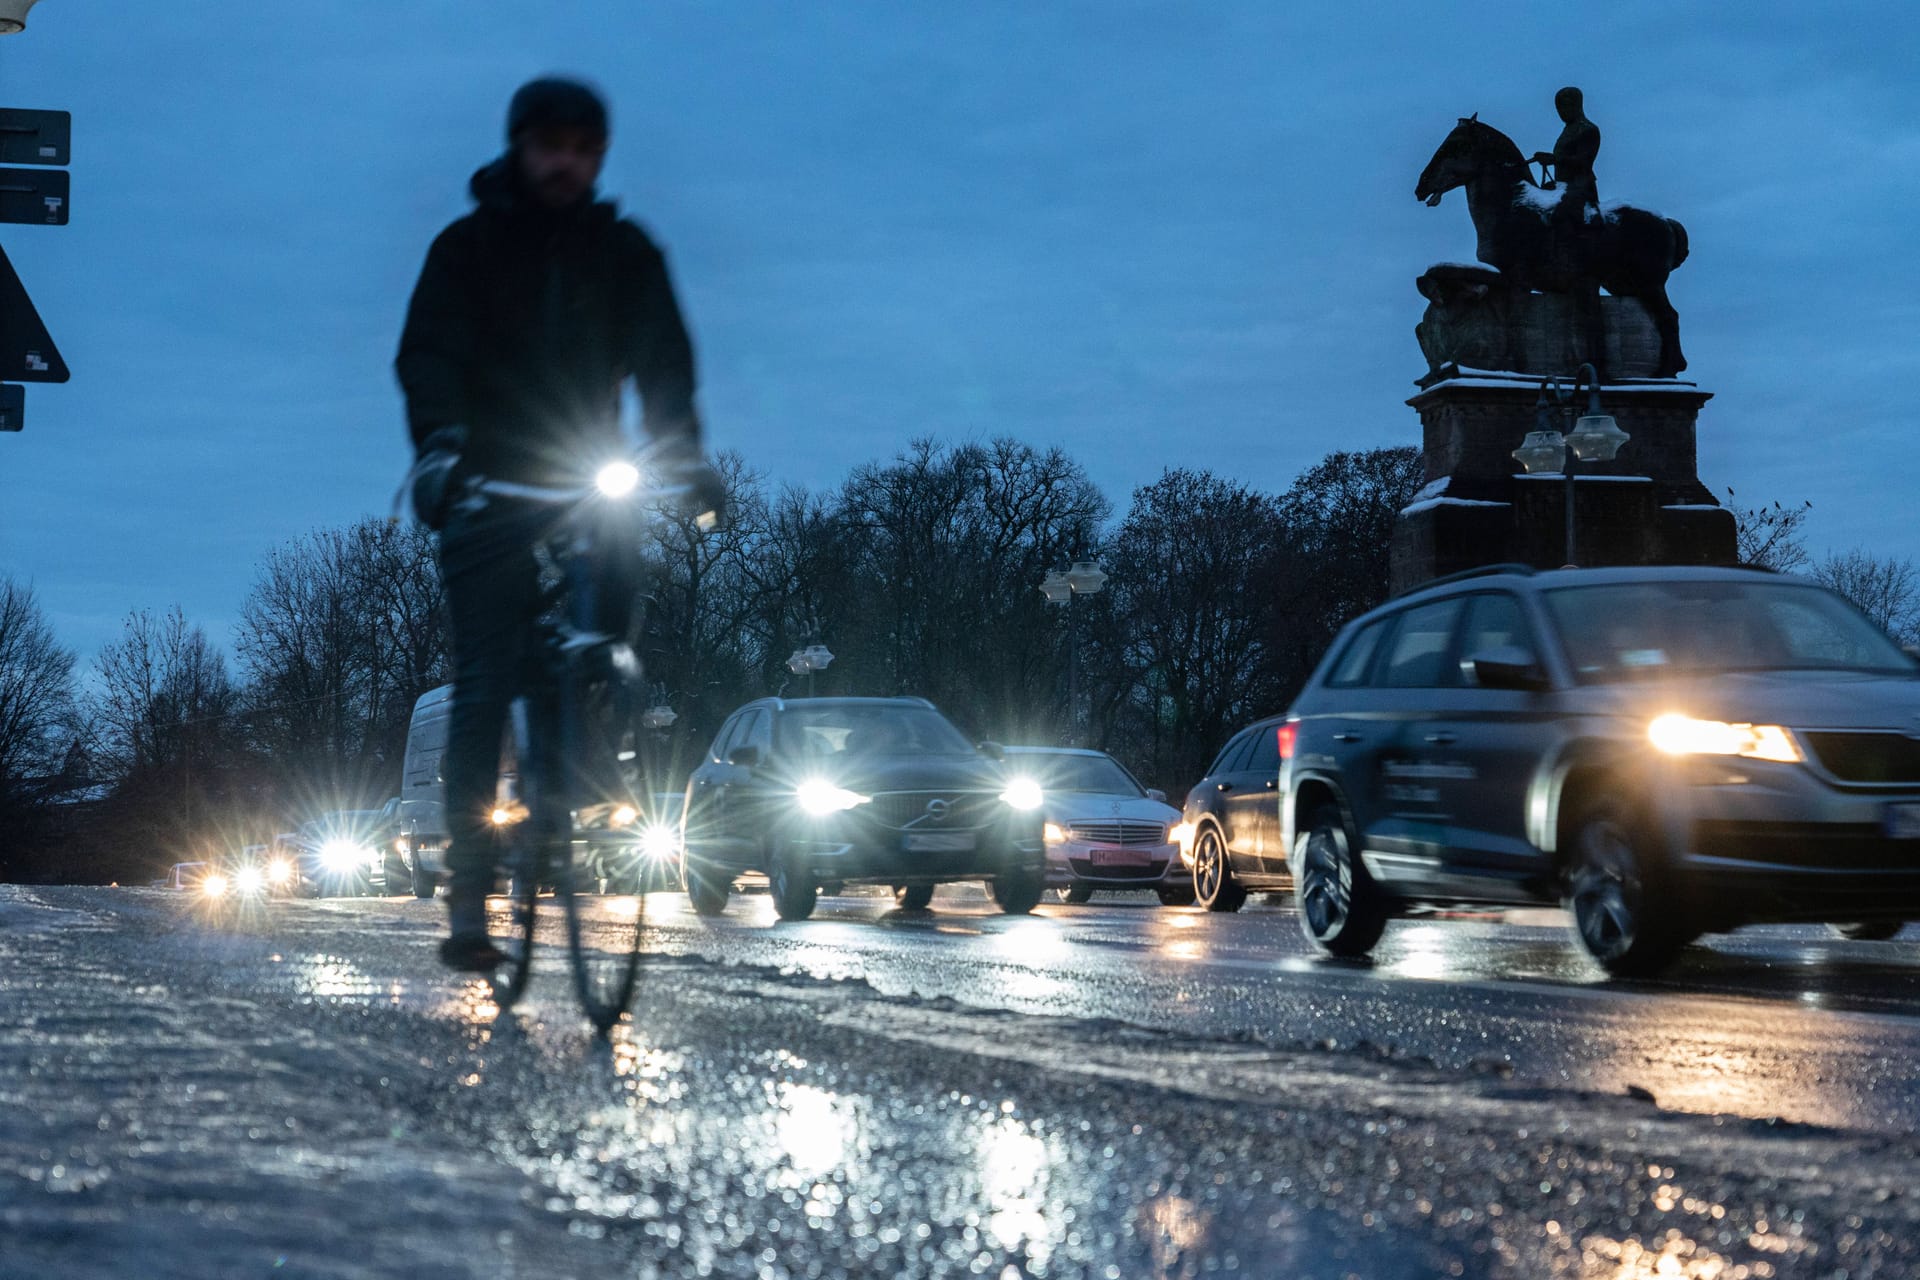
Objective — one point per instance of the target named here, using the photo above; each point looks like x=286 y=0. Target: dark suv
x=857 y=790
x=1232 y=821
x=1666 y=751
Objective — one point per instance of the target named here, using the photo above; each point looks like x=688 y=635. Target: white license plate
x=939 y=841
x=1119 y=858
x=1902 y=821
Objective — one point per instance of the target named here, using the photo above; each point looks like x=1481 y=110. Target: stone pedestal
x=1647 y=506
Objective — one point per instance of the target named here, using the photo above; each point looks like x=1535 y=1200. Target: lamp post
x=1596 y=437
x=808 y=662
x=13 y=16
x=1062 y=588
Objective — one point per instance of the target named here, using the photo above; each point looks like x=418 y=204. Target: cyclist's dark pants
x=492 y=587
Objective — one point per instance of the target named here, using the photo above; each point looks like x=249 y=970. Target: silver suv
x=1666 y=751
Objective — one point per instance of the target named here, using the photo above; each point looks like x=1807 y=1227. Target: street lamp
x=808 y=662
x=13 y=15
x=1596 y=437
x=1062 y=587
x=659 y=716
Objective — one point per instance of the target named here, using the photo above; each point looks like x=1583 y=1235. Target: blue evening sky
x=1153 y=234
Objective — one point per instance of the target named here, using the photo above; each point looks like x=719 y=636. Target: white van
x=423 y=807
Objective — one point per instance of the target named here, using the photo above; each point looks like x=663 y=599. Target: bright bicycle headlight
x=617 y=479
x=820 y=797
x=659 y=842
x=1679 y=735
x=1023 y=793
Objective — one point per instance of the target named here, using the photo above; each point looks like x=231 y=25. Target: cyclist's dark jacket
x=523 y=325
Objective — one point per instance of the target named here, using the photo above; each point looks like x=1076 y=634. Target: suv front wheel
x=1341 y=909
x=1624 y=913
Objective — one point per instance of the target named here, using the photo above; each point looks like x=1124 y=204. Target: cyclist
x=530 y=315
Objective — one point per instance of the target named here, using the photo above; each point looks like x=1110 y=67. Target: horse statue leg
x=1667 y=320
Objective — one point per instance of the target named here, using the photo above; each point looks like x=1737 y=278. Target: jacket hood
x=496 y=186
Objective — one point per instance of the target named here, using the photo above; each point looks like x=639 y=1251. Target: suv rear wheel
x=1213 y=883
x=1624 y=913
x=1341 y=909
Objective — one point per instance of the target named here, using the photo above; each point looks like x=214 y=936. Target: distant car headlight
x=623 y=816
x=214 y=886
x=659 y=842
x=617 y=479
x=1055 y=833
x=1024 y=793
x=342 y=855
x=279 y=871
x=820 y=797
x=250 y=880
x=1679 y=735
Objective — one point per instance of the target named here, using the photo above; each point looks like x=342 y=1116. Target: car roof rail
x=1481 y=571
x=1757 y=568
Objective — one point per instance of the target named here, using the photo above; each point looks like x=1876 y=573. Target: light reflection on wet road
x=300 y=1090
x=1793 y=1023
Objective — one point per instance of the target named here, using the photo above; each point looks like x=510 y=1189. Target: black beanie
x=555 y=103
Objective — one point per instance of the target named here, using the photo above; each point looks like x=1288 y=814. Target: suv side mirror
x=1508 y=667
x=746 y=757
x=1155 y=793
x=991 y=750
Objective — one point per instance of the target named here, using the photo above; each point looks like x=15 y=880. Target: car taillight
x=1287 y=733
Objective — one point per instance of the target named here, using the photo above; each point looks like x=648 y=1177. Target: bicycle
x=569 y=754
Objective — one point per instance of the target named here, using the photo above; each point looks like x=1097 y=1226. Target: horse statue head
x=1472 y=150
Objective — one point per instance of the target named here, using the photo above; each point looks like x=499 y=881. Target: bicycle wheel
x=522 y=860
x=602 y=730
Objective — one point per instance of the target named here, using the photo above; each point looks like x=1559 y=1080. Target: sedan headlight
x=1024 y=793
x=1181 y=833
x=249 y=880
x=280 y=871
x=214 y=886
x=1679 y=735
x=820 y=797
x=341 y=855
x=1055 y=833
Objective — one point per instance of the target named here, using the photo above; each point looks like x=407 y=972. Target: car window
x=1496 y=621
x=722 y=741
x=1357 y=659
x=1230 y=754
x=757 y=731
x=1628 y=630
x=1417 y=658
x=1265 y=757
x=826 y=729
x=1070 y=771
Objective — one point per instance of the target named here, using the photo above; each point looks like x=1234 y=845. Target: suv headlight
x=1024 y=793
x=341 y=855
x=1679 y=735
x=820 y=797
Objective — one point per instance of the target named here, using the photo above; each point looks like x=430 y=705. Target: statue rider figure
x=1572 y=159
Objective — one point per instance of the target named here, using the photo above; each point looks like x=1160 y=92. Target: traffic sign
x=34 y=195
x=35 y=137
x=27 y=353
x=13 y=407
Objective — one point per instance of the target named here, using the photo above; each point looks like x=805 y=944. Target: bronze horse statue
x=1626 y=251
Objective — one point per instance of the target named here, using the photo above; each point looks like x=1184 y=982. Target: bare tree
x=36 y=708
x=1885 y=588
x=165 y=698
x=1771 y=537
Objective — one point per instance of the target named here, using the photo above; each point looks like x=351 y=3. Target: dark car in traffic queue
x=881 y=791
x=1230 y=824
x=1665 y=751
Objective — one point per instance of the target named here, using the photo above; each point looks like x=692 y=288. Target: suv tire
x=913 y=897
x=707 y=892
x=1018 y=892
x=1624 y=912
x=792 y=887
x=1213 y=884
x=1341 y=909
x=1869 y=930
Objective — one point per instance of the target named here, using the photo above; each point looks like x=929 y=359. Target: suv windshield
x=875 y=729
x=1065 y=771
x=1621 y=631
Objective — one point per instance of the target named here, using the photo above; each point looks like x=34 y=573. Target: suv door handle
x=1443 y=739
x=1272 y=784
x=1346 y=737
x=1223 y=786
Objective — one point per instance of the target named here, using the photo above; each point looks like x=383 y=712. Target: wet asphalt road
x=1096 y=1091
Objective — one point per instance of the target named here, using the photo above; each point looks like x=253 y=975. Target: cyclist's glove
x=432 y=476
